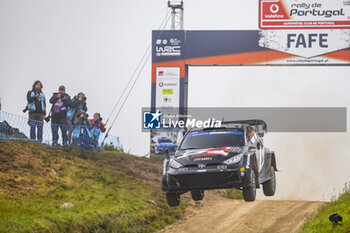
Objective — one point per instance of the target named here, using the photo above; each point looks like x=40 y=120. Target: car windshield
x=164 y=140
x=200 y=139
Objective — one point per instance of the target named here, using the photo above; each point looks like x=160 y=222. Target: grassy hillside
x=320 y=223
x=110 y=192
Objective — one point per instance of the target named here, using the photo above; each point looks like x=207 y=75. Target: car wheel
x=197 y=195
x=269 y=187
x=249 y=192
x=173 y=199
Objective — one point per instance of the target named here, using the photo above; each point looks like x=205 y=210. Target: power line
x=166 y=19
x=137 y=67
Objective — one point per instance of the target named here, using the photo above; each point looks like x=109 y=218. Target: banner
x=168 y=87
x=304 y=14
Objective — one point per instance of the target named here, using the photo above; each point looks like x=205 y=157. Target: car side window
x=250 y=136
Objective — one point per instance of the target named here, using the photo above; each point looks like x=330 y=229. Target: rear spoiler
x=259 y=125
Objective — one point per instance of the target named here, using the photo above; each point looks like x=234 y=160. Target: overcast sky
x=94 y=46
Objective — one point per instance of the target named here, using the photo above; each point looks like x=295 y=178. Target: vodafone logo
x=274 y=8
x=161 y=84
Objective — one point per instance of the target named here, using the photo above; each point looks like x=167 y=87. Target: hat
x=81 y=94
x=61 y=88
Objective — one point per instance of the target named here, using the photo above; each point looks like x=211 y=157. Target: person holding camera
x=60 y=103
x=81 y=133
x=82 y=119
x=97 y=122
x=36 y=105
x=78 y=105
x=97 y=128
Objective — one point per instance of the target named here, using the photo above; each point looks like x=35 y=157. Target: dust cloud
x=313 y=166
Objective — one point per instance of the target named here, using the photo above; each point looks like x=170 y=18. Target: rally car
x=164 y=145
x=232 y=156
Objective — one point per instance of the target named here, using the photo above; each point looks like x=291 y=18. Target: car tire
x=197 y=195
x=249 y=192
x=269 y=187
x=173 y=199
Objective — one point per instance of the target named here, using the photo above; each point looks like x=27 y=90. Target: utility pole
x=177 y=15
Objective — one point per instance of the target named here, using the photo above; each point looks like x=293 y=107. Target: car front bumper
x=186 y=179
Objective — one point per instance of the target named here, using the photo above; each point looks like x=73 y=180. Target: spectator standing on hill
x=97 y=128
x=97 y=122
x=36 y=106
x=60 y=103
x=81 y=134
x=78 y=105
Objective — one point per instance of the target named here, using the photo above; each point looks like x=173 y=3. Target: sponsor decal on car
x=211 y=152
x=202 y=159
x=204 y=155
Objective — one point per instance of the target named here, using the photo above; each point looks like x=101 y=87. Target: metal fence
x=14 y=127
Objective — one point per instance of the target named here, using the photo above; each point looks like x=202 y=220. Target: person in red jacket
x=97 y=128
x=97 y=122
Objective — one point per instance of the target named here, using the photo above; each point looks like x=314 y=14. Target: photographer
x=82 y=119
x=97 y=128
x=60 y=103
x=78 y=104
x=81 y=133
x=97 y=122
x=36 y=106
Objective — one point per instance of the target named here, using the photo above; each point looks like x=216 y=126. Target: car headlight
x=234 y=159
x=174 y=164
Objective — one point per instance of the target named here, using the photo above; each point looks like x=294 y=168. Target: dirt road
x=218 y=214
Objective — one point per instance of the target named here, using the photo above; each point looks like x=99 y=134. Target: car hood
x=208 y=155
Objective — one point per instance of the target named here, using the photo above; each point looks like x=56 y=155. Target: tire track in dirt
x=218 y=214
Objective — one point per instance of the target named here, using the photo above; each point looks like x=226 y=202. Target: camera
x=100 y=119
x=25 y=109
x=84 y=98
x=47 y=119
x=335 y=218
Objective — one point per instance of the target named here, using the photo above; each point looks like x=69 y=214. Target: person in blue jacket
x=78 y=104
x=36 y=106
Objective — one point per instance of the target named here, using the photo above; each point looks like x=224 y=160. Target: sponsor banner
x=304 y=14
x=168 y=87
x=265 y=47
x=305 y=44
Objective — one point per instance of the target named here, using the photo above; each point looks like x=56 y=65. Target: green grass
x=320 y=223
x=37 y=181
x=234 y=194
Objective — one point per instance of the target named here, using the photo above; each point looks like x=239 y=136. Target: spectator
x=97 y=128
x=81 y=133
x=37 y=110
x=97 y=122
x=60 y=103
x=82 y=119
x=78 y=104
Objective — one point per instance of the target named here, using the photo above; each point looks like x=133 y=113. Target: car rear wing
x=259 y=126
